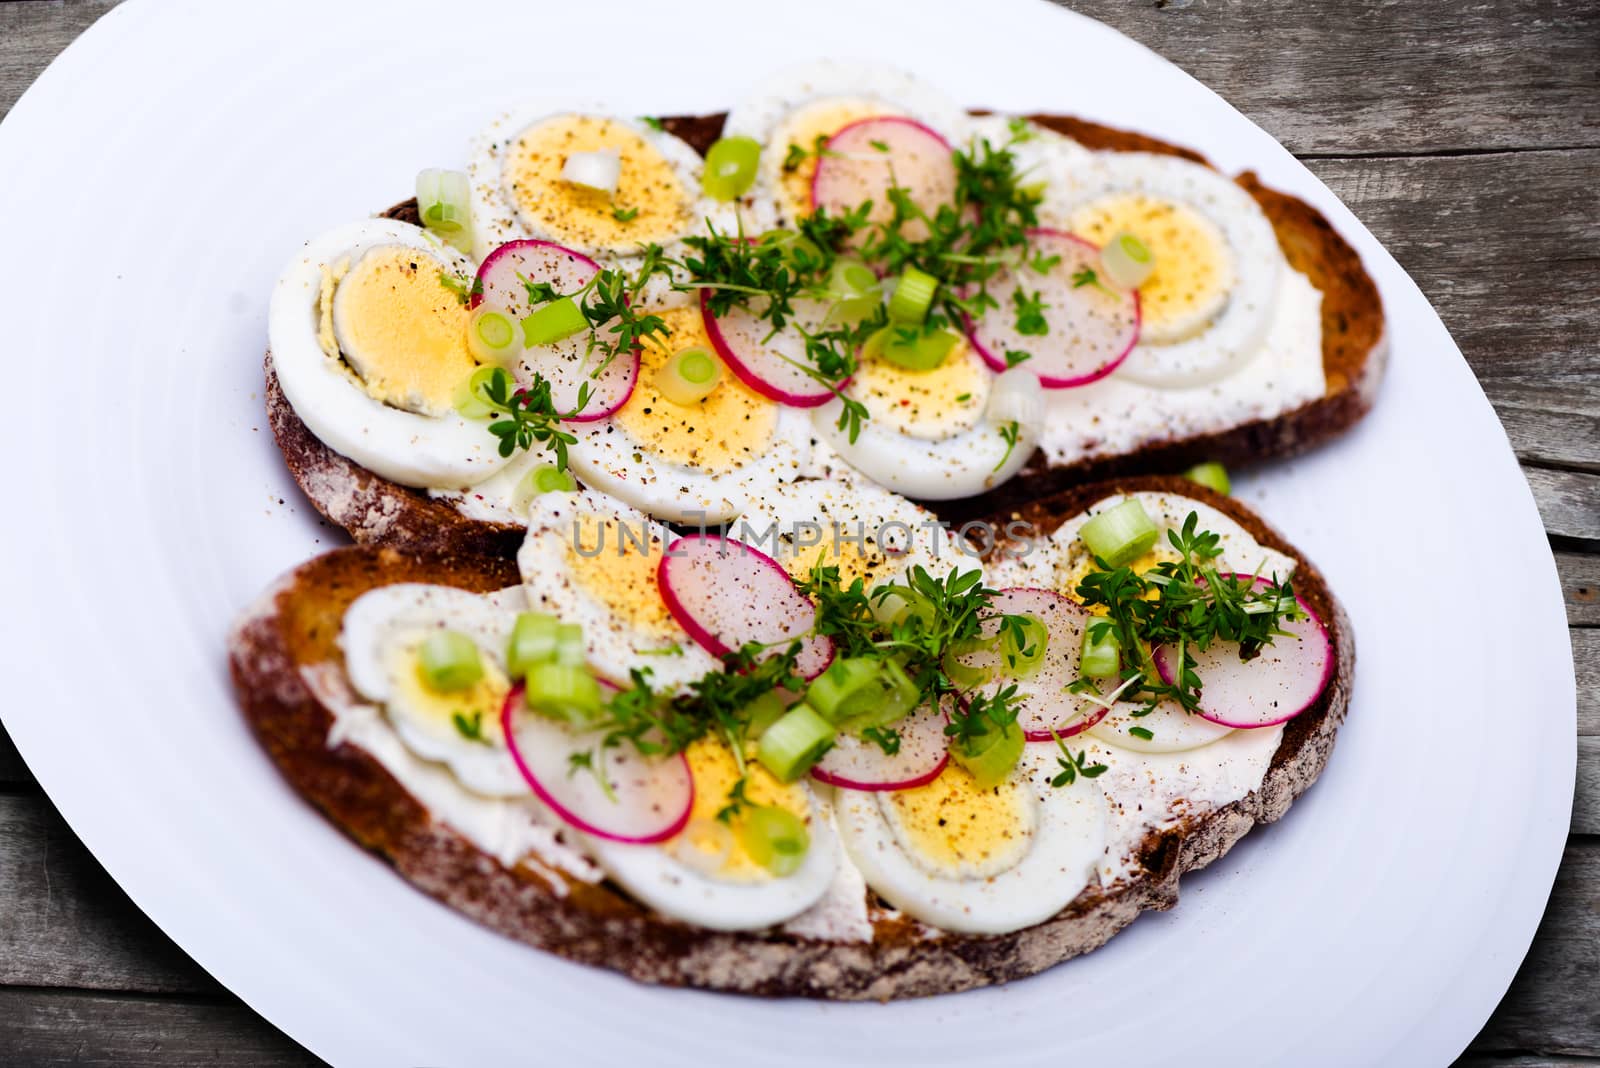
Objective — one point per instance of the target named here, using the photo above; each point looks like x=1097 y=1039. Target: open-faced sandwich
x=731 y=608
x=857 y=275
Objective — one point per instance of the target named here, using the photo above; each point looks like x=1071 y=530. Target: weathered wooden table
x=1465 y=133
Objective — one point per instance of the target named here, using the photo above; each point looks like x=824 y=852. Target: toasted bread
x=293 y=629
x=1354 y=351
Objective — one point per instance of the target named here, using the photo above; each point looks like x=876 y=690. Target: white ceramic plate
x=164 y=169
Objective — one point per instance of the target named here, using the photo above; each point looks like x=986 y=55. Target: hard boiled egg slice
x=865 y=531
x=518 y=191
x=591 y=560
x=1207 y=306
x=705 y=875
x=691 y=463
x=368 y=335
x=978 y=861
x=796 y=106
x=951 y=432
x=382 y=632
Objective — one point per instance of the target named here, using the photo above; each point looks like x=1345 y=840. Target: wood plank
x=33 y=33
x=1569 y=503
x=13 y=772
x=1372 y=76
x=1551 y=1007
x=65 y=922
x=1586 y=659
x=1586 y=796
x=1580 y=587
x=45 y=1028
x=1497 y=1060
x=1505 y=246
x=1331 y=78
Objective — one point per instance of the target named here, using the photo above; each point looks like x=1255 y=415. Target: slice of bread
x=1354 y=350
x=291 y=634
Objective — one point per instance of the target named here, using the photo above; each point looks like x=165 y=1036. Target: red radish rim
x=881 y=787
x=1160 y=657
x=477 y=298
x=903 y=120
x=477 y=295
x=703 y=637
x=749 y=376
x=507 y=717
x=998 y=363
x=1077 y=726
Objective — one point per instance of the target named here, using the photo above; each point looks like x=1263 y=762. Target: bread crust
x=295 y=624
x=378 y=512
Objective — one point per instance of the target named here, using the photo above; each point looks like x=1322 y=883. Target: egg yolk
x=821 y=118
x=620 y=573
x=845 y=551
x=650 y=202
x=477 y=707
x=400 y=329
x=1194 y=265
x=715 y=772
x=1079 y=563
x=951 y=828
x=928 y=405
x=730 y=427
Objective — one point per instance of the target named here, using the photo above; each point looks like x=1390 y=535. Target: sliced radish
x=774 y=366
x=1043 y=703
x=567 y=364
x=865 y=159
x=856 y=764
x=1091 y=325
x=1277 y=685
x=651 y=796
x=725 y=593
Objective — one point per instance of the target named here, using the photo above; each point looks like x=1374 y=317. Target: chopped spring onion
x=471 y=398
x=561 y=318
x=899 y=697
x=533 y=641
x=704 y=845
x=893 y=603
x=1100 y=659
x=853 y=291
x=546 y=478
x=448 y=660
x=1212 y=476
x=964 y=675
x=775 y=838
x=762 y=713
x=1127 y=261
x=850 y=687
x=910 y=348
x=688 y=376
x=794 y=742
x=562 y=691
x=990 y=756
x=1120 y=534
x=597 y=170
x=444 y=203
x=1024 y=654
x=730 y=167
x=913 y=296
x=491 y=335
x=797 y=248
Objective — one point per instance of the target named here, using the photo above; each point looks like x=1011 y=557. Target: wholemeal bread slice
x=376 y=511
x=289 y=638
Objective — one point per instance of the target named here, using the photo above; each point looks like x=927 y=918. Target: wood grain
x=1580 y=587
x=42 y=1029
x=66 y=923
x=1551 y=1007
x=1569 y=504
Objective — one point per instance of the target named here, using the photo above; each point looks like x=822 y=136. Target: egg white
x=654 y=875
x=405 y=447
x=836 y=513
x=495 y=216
x=963 y=463
x=614 y=645
x=1233 y=335
x=1069 y=834
x=384 y=625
